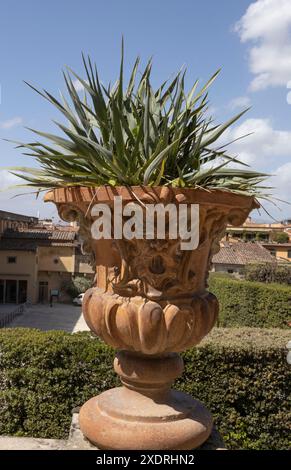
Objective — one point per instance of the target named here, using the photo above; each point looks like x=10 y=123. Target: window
x=289 y=253
x=11 y=259
x=230 y=271
x=273 y=252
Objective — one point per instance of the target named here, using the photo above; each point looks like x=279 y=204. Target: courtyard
x=66 y=317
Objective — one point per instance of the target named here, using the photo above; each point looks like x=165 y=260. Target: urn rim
x=106 y=194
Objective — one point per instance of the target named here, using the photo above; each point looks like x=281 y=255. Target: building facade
x=37 y=260
x=260 y=232
x=268 y=235
x=281 y=251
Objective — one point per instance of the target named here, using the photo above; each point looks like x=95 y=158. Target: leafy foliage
x=260 y=236
x=268 y=272
x=240 y=374
x=280 y=237
x=76 y=286
x=253 y=304
x=135 y=135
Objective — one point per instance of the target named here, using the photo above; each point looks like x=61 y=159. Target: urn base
x=124 y=419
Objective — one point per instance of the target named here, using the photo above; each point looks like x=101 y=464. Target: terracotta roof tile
x=243 y=253
x=12 y=216
x=61 y=235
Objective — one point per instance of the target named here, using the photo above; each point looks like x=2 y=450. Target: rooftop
x=242 y=254
x=277 y=245
x=17 y=217
x=29 y=239
x=37 y=234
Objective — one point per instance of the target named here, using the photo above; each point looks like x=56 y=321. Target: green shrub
x=268 y=272
x=45 y=375
x=240 y=374
x=243 y=377
x=255 y=304
x=280 y=237
x=260 y=236
x=77 y=286
x=223 y=275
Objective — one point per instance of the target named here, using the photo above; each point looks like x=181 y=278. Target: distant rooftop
x=37 y=234
x=277 y=245
x=242 y=254
x=251 y=223
x=28 y=239
x=17 y=217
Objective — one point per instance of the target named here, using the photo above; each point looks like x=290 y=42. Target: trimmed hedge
x=240 y=374
x=268 y=272
x=253 y=304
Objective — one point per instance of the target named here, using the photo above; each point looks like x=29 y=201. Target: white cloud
x=22 y=200
x=263 y=147
x=239 y=102
x=267 y=150
x=267 y=25
x=78 y=85
x=16 y=121
x=281 y=181
x=281 y=184
x=7 y=179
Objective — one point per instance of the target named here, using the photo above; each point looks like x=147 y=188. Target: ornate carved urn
x=150 y=301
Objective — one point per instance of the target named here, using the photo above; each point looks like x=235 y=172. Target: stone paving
x=7 y=308
x=65 y=317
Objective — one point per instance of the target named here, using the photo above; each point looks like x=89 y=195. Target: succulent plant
x=135 y=135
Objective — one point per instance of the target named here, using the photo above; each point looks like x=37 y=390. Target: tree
x=280 y=237
x=77 y=286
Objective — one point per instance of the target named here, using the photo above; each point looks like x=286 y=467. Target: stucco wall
x=56 y=259
x=225 y=267
x=55 y=281
x=25 y=268
x=283 y=253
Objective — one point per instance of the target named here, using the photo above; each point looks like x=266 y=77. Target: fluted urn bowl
x=144 y=326
x=149 y=301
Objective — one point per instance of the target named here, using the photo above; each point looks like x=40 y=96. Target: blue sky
x=250 y=40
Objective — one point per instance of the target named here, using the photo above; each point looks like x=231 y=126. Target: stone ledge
x=31 y=443
x=76 y=441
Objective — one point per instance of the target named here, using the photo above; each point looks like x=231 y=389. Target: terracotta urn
x=149 y=302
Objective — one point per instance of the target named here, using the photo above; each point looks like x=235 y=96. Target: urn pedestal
x=150 y=302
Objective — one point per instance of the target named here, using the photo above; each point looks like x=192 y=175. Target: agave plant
x=135 y=135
